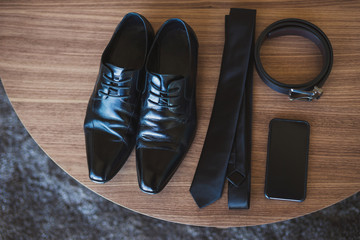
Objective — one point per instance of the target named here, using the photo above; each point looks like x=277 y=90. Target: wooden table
x=49 y=58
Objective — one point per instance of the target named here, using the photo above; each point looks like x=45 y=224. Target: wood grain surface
x=49 y=57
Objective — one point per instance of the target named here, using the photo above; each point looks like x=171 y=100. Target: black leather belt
x=292 y=26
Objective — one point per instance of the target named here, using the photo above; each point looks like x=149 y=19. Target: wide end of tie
x=202 y=196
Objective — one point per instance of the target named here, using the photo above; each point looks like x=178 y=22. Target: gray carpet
x=39 y=201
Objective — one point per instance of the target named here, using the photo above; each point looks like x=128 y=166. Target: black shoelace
x=112 y=86
x=164 y=96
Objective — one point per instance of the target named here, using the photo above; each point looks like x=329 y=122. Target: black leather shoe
x=168 y=114
x=112 y=115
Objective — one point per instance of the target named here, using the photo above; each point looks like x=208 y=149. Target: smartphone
x=287 y=160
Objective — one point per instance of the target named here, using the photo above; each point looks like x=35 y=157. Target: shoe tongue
x=163 y=80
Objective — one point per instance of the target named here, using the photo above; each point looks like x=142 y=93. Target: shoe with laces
x=112 y=116
x=168 y=111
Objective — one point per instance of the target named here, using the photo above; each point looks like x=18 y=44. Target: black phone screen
x=287 y=160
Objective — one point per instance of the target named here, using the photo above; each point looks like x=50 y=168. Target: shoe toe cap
x=106 y=155
x=155 y=168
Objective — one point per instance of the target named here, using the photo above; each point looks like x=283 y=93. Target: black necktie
x=227 y=147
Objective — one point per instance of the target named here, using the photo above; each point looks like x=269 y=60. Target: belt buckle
x=296 y=94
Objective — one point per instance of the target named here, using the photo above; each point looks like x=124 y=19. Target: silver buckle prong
x=296 y=94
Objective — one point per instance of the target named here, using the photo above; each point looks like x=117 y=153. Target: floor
x=39 y=201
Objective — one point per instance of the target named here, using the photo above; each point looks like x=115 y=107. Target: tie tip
x=201 y=200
